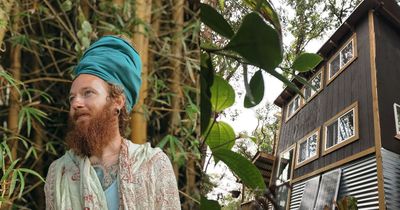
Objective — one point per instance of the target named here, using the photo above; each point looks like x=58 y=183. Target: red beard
x=91 y=136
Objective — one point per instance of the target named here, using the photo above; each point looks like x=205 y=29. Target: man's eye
x=88 y=93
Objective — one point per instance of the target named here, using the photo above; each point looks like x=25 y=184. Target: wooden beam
x=335 y=164
x=375 y=111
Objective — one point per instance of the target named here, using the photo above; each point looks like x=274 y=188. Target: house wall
x=353 y=84
x=358 y=179
x=388 y=78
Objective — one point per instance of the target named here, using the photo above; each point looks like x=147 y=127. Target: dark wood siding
x=353 y=84
x=388 y=76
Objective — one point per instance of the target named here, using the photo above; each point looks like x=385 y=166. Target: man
x=102 y=170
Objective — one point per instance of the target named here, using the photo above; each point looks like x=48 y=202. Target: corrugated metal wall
x=359 y=180
x=297 y=194
x=391 y=174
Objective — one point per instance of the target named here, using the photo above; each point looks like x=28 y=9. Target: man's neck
x=110 y=153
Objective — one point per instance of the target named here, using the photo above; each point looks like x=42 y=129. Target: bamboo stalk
x=5 y=8
x=15 y=70
x=38 y=138
x=141 y=42
x=175 y=86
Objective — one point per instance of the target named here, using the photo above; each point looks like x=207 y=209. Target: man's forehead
x=87 y=81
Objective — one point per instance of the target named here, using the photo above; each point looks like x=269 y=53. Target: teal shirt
x=111 y=192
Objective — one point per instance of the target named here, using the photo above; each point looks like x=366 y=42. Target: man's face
x=92 y=119
x=88 y=96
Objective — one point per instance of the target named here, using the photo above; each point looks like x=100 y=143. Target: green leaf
x=266 y=10
x=9 y=169
x=257 y=42
x=86 y=27
x=242 y=167
x=13 y=182
x=211 y=18
x=304 y=82
x=22 y=180
x=29 y=171
x=221 y=4
x=85 y=42
x=206 y=81
x=222 y=136
x=257 y=90
x=306 y=62
x=222 y=94
x=206 y=204
x=66 y=6
x=285 y=81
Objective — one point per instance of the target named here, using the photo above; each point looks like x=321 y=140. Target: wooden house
x=344 y=137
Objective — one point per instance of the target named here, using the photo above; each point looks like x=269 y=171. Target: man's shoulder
x=143 y=149
x=63 y=160
x=149 y=154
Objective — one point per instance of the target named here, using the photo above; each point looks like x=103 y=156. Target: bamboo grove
x=41 y=42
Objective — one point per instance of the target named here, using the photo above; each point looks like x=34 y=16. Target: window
x=397 y=117
x=328 y=189
x=341 y=129
x=285 y=166
x=284 y=175
x=282 y=193
x=342 y=59
x=307 y=148
x=310 y=193
x=316 y=81
x=293 y=107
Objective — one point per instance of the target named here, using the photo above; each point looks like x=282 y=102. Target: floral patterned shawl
x=146 y=181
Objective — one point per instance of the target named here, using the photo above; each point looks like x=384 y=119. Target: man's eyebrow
x=82 y=89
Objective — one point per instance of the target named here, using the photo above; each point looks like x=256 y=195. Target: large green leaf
x=242 y=167
x=206 y=204
x=222 y=94
x=266 y=10
x=206 y=81
x=215 y=21
x=257 y=42
x=306 y=62
x=222 y=136
x=257 y=90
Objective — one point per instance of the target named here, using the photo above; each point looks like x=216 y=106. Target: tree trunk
x=141 y=44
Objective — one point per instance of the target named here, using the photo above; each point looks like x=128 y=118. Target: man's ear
x=120 y=101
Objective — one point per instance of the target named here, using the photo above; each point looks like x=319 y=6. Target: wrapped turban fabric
x=115 y=61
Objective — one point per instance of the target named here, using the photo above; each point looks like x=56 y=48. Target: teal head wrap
x=115 y=61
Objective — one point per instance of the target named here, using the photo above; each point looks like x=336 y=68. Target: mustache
x=77 y=114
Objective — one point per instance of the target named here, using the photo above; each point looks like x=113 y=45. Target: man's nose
x=77 y=103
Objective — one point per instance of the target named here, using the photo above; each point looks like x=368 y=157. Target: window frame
x=292 y=147
x=349 y=140
x=297 y=110
x=353 y=39
x=321 y=71
x=305 y=138
x=396 y=119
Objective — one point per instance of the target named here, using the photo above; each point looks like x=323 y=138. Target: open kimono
x=145 y=181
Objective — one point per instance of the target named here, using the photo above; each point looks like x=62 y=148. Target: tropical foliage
x=41 y=42
x=255 y=44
